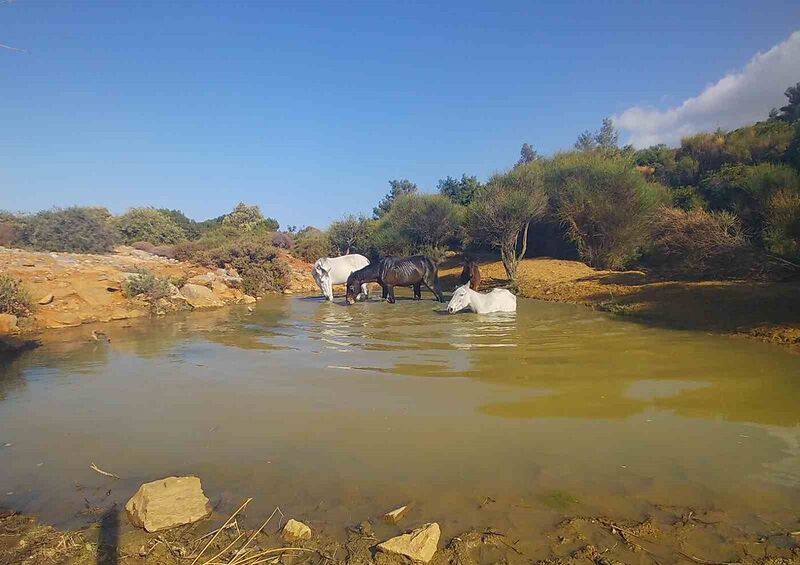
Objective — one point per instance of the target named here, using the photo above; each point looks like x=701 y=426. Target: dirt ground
x=669 y=535
x=768 y=311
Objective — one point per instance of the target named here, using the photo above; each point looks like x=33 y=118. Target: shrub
x=311 y=244
x=143 y=246
x=147 y=224
x=167 y=251
x=697 y=243
x=256 y=261
x=249 y=218
x=14 y=298
x=782 y=235
x=605 y=204
x=76 y=229
x=190 y=228
x=351 y=234
x=282 y=240
x=147 y=284
x=502 y=213
x=8 y=234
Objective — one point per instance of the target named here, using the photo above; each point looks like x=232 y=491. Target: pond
x=338 y=414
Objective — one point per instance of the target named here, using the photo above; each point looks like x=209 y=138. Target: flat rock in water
x=200 y=296
x=418 y=545
x=396 y=515
x=295 y=530
x=168 y=503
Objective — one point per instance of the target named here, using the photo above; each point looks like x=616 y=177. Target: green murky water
x=337 y=414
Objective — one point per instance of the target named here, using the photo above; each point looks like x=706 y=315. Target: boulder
x=168 y=503
x=247 y=299
x=202 y=280
x=295 y=530
x=418 y=545
x=396 y=515
x=47 y=299
x=8 y=324
x=200 y=296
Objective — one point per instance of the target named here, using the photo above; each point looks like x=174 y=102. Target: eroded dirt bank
x=70 y=289
x=768 y=311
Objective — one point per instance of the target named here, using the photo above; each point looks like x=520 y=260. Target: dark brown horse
x=390 y=272
x=471 y=273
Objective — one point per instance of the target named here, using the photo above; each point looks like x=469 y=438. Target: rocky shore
x=70 y=289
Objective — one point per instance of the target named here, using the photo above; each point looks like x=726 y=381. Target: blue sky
x=308 y=109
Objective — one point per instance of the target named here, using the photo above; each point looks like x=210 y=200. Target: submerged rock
x=295 y=530
x=396 y=515
x=418 y=545
x=167 y=503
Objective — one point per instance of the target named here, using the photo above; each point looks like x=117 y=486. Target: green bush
x=282 y=240
x=696 y=243
x=255 y=259
x=605 y=204
x=311 y=244
x=250 y=218
x=351 y=234
x=76 y=229
x=147 y=224
x=147 y=284
x=782 y=219
x=191 y=228
x=14 y=298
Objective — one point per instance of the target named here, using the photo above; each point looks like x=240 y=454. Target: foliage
x=351 y=234
x=501 y=215
x=75 y=229
x=747 y=189
x=420 y=223
x=606 y=138
x=249 y=218
x=527 y=154
x=255 y=259
x=191 y=228
x=605 y=204
x=396 y=188
x=791 y=112
x=282 y=240
x=782 y=224
x=14 y=298
x=311 y=244
x=147 y=224
x=697 y=243
x=148 y=285
x=461 y=191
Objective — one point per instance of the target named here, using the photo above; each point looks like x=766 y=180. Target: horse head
x=460 y=299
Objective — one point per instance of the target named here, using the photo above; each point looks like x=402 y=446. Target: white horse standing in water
x=328 y=271
x=498 y=300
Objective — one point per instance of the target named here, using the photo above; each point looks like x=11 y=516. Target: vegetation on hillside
x=14 y=298
x=721 y=204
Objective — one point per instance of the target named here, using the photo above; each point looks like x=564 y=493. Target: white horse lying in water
x=498 y=300
x=329 y=271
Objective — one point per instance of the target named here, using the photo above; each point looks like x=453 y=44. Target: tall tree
x=461 y=191
x=349 y=233
x=527 y=154
x=607 y=136
x=396 y=188
x=586 y=141
x=791 y=112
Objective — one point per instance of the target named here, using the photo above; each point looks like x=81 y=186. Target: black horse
x=394 y=271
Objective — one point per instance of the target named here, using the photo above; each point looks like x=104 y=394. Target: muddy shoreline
x=668 y=534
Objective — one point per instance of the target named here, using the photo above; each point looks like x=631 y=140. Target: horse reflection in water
x=389 y=272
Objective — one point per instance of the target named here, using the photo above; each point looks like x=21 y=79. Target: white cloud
x=737 y=99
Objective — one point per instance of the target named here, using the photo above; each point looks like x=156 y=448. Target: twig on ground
x=214 y=537
x=264 y=525
x=704 y=562
x=95 y=468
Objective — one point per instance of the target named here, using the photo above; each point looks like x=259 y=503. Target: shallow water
x=338 y=414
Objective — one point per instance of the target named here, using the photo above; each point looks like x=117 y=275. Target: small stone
x=295 y=530
x=395 y=515
x=47 y=299
x=418 y=545
x=167 y=503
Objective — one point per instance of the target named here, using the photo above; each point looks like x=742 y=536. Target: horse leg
x=365 y=289
x=432 y=282
x=418 y=291
x=384 y=291
x=390 y=294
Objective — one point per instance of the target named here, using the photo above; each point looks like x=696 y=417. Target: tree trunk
x=508 y=254
x=524 y=242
